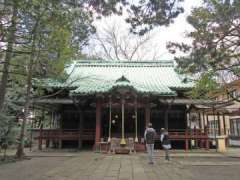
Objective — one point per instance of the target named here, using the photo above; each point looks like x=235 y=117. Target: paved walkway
x=233 y=152
x=93 y=166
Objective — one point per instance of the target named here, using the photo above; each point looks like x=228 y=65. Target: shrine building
x=106 y=101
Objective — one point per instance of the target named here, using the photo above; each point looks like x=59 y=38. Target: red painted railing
x=66 y=134
x=201 y=137
x=90 y=134
x=187 y=134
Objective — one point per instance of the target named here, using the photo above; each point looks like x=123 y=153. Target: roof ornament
x=122 y=79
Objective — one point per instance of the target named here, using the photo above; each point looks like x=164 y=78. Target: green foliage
x=60 y=31
x=146 y=14
x=205 y=87
x=8 y=130
x=143 y=15
x=214 y=51
x=8 y=117
x=215 y=37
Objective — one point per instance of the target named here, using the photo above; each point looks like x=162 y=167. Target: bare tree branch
x=117 y=45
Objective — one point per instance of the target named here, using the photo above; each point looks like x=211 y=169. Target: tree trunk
x=20 y=149
x=8 y=56
x=5 y=154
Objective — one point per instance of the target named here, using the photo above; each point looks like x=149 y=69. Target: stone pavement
x=233 y=152
x=94 y=166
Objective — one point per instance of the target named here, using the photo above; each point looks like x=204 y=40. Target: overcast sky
x=156 y=47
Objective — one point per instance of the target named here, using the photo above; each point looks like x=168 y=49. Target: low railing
x=89 y=134
x=70 y=134
x=182 y=134
x=215 y=131
x=197 y=136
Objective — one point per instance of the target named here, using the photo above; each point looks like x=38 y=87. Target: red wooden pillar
x=207 y=122
x=219 y=125
x=147 y=113
x=207 y=144
x=98 y=122
x=199 y=121
x=60 y=133
x=187 y=127
x=40 y=138
x=186 y=140
x=224 y=124
x=80 y=129
x=186 y=145
x=199 y=131
x=206 y=131
x=204 y=122
x=207 y=140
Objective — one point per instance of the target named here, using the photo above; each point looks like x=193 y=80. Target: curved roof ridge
x=100 y=63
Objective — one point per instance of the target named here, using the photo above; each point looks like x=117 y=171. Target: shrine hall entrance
x=129 y=123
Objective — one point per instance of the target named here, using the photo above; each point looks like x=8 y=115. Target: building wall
x=234 y=89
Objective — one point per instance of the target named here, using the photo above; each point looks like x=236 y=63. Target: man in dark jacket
x=149 y=136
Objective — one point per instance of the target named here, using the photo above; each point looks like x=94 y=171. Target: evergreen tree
x=215 y=47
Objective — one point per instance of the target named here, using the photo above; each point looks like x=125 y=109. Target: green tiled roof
x=153 y=77
x=52 y=83
x=102 y=86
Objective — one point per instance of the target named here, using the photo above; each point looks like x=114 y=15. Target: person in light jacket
x=164 y=138
x=149 y=136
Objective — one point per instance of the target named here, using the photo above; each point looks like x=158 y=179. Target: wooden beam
x=80 y=128
x=168 y=107
x=186 y=117
x=207 y=121
x=136 y=120
x=147 y=113
x=224 y=124
x=127 y=104
x=166 y=119
x=200 y=121
x=41 y=127
x=98 y=122
x=52 y=101
x=123 y=141
x=219 y=124
x=204 y=121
